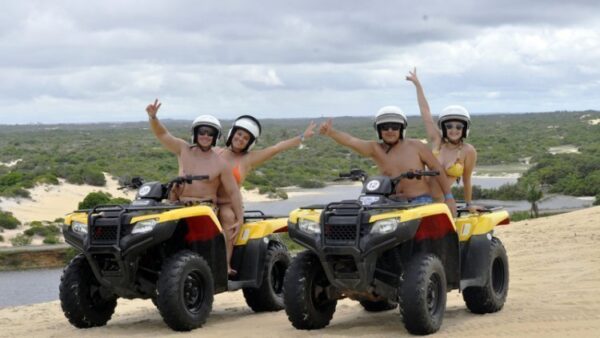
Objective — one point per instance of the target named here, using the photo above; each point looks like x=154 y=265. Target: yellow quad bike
x=173 y=254
x=383 y=252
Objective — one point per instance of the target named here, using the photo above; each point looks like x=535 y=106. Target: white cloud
x=73 y=61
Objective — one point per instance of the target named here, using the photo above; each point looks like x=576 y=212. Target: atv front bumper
x=114 y=262
x=352 y=266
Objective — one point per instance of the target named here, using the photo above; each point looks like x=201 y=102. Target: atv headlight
x=144 y=226
x=308 y=226
x=79 y=228
x=385 y=226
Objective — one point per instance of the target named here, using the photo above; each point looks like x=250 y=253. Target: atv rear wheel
x=269 y=296
x=185 y=291
x=382 y=305
x=84 y=302
x=307 y=304
x=423 y=294
x=490 y=297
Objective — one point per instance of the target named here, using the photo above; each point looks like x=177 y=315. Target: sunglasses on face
x=208 y=131
x=457 y=126
x=390 y=126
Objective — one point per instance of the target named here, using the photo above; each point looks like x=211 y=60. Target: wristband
x=449 y=196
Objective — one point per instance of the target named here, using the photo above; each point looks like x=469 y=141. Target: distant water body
x=36 y=286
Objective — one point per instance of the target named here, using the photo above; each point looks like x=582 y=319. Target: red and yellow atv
x=383 y=252
x=173 y=254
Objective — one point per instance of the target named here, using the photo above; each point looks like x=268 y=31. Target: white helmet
x=206 y=120
x=250 y=125
x=454 y=113
x=391 y=114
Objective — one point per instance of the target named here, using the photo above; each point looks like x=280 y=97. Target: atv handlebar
x=353 y=175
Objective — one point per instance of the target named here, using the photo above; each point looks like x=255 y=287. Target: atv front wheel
x=423 y=294
x=490 y=297
x=84 y=302
x=185 y=291
x=269 y=296
x=305 y=295
x=382 y=305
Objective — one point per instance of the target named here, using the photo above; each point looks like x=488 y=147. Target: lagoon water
x=35 y=286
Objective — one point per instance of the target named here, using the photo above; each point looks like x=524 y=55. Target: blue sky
x=97 y=61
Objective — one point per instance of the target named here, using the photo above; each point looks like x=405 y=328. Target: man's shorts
x=421 y=199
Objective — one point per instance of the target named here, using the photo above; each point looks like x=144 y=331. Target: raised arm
x=432 y=163
x=258 y=157
x=432 y=131
x=364 y=148
x=172 y=143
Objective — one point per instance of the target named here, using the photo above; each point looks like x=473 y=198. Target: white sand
x=554 y=283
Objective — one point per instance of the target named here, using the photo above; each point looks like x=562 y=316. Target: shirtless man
x=396 y=154
x=199 y=158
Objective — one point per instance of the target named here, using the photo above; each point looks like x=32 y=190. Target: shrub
x=44 y=231
x=307 y=184
x=59 y=220
x=597 y=201
x=119 y=200
x=21 y=240
x=1 y=238
x=36 y=224
x=94 y=199
x=8 y=221
x=52 y=239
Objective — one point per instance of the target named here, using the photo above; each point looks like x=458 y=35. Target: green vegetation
x=81 y=153
x=1 y=238
x=44 y=231
x=21 y=240
x=8 y=221
x=94 y=199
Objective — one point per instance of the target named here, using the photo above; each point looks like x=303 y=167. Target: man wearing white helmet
x=395 y=154
x=447 y=139
x=199 y=158
x=241 y=138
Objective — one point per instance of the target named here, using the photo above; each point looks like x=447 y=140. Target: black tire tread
x=74 y=287
x=483 y=300
x=168 y=301
x=263 y=298
x=299 y=309
x=413 y=307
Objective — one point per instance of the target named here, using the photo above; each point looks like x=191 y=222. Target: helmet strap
x=390 y=146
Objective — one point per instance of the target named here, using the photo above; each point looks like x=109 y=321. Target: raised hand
x=326 y=127
x=152 y=109
x=309 y=132
x=412 y=76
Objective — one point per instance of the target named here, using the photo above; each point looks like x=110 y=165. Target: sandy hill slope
x=554 y=292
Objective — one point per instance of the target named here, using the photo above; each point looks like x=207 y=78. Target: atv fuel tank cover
x=373 y=185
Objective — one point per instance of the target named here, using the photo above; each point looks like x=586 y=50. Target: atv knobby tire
x=81 y=297
x=423 y=294
x=378 y=306
x=185 y=291
x=490 y=297
x=304 y=293
x=269 y=296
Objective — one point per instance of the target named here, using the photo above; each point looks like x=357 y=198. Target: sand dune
x=554 y=284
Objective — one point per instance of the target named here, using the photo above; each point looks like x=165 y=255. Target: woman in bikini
x=237 y=152
x=447 y=139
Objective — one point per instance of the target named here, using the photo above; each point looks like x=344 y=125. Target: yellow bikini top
x=456 y=169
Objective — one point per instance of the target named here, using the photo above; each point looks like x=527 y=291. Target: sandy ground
x=554 y=284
